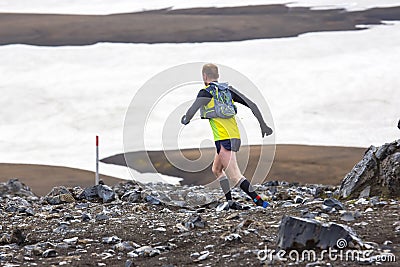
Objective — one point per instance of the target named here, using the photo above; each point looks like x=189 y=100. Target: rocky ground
x=163 y=225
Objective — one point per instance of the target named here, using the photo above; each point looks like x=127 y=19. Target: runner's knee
x=217 y=170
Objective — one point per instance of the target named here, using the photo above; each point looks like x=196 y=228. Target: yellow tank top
x=223 y=128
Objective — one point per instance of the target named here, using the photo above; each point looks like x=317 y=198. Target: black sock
x=248 y=189
x=226 y=188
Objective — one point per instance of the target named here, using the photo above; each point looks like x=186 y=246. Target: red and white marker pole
x=97 y=160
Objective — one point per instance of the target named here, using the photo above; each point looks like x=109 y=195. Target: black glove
x=265 y=130
x=184 y=121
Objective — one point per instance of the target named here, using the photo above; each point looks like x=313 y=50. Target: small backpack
x=223 y=103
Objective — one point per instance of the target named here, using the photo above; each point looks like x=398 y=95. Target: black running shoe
x=237 y=206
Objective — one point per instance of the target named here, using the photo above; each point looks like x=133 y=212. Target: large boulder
x=299 y=233
x=377 y=174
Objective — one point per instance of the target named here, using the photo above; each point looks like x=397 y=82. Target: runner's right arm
x=242 y=99
x=203 y=97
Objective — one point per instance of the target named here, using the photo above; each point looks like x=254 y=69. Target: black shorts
x=229 y=144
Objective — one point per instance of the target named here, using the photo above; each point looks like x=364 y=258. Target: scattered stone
x=223 y=206
x=195 y=221
x=233 y=216
x=59 y=195
x=71 y=241
x=86 y=217
x=152 y=200
x=362 y=201
x=126 y=246
x=140 y=208
x=16 y=236
x=232 y=237
x=347 y=217
x=129 y=263
x=271 y=183
x=98 y=192
x=147 y=251
x=368 y=210
x=333 y=203
x=49 y=253
x=132 y=196
x=102 y=217
x=298 y=200
x=56 y=228
x=111 y=240
x=124 y=188
x=15 y=188
x=204 y=255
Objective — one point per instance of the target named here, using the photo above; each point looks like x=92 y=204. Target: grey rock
x=105 y=193
x=365 y=192
x=59 y=195
x=123 y=188
x=129 y=263
x=98 y=192
x=49 y=253
x=201 y=210
x=152 y=200
x=71 y=241
x=11 y=208
x=387 y=242
x=374 y=200
x=86 y=217
x=101 y=217
x=15 y=188
x=333 y=203
x=299 y=233
x=132 y=196
x=271 y=183
x=195 y=221
x=111 y=240
x=298 y=200
x=310 y=215
x=30 y=211
x=232 y=237
x=124 y=246
x=82 y=205
x=204 y=255
x=17 y=204
x=379 y=169
x=223 y=206
x=347 y=217
x=287 y=204
x=147 y=251
x=132 y=254
x=61 y=229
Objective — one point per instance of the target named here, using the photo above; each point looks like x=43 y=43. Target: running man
x=226 y=135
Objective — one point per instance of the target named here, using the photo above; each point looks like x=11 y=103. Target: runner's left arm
x=203 y=97
x=242 y=99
